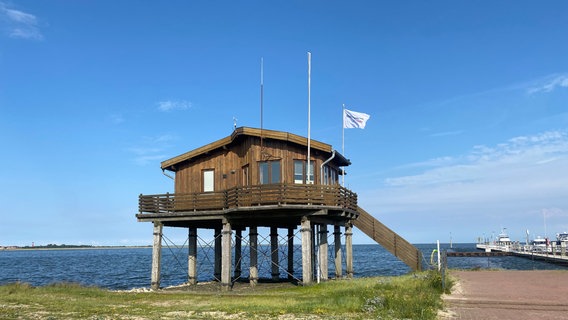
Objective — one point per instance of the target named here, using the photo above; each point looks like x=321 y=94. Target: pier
x=478 y=254
x=553 y=253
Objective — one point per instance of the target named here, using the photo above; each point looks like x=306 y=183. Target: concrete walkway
x=507 y=294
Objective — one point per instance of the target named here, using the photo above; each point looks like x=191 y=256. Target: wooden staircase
x=387 y=238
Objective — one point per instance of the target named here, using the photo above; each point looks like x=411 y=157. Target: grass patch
x=414 y=296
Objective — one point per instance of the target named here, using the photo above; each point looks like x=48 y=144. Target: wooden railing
x=251 y=196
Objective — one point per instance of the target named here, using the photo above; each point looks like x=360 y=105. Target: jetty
x=553 y=252
x=259 y=179
x=477 y=253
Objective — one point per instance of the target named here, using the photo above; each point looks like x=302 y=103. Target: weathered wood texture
x=239 y=133
x=228 y=164
x=387 y=238
x=234 y=160
x=251 y=196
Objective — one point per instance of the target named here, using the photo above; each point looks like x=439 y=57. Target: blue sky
x=468 y=103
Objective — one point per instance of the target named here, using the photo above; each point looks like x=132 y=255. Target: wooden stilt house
x=262 y=178
x=254 y=178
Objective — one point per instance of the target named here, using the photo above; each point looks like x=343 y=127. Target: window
x=245 y=173
x=333 y=176
x=208 y=180
x=329 y=175
x=300 y=171
x=269 y=172
x=274 y=171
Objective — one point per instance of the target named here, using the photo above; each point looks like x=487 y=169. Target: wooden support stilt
x=253 y=271
x=275 y=271
x=218 y=254
x=337 y=249
x=226 y=256
x=323 y=256
x=156 y=255
x=307 y=271
x=313 y=251
x=349 y=249
x=238 y=253
x=290 y=253
x=192 y=257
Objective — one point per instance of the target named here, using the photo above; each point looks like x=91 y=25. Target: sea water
x=127 y=268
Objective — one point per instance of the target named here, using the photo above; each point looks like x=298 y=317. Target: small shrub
x=374 y=304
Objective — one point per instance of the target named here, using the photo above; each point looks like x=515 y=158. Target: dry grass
x=413 y=296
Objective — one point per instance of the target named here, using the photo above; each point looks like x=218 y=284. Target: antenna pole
x=308 y=180
x=343 y=143
x=261 y=101
x=261 y=90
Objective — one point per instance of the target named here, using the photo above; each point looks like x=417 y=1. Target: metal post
x=438 y=253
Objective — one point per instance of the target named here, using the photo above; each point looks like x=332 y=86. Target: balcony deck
x=263 y=203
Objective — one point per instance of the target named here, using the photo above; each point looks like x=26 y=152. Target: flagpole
x=343 y=143
x=309 y=113
x=261 y=102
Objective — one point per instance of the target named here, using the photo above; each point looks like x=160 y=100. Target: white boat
x=540 y=245
x=563 y=236
x=501 y=243
x=503 y=238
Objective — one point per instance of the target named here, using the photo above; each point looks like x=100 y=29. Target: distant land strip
x=68 y=247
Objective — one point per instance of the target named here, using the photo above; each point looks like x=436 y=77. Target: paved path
x=506 y=295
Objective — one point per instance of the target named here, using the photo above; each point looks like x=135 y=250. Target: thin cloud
x=163 y=138
x=549 y=84
x=145 y=160
x=483 y=163
x=152 y=149
x=116 y=118
x=19 y=24
x=446 y=133
x=172 y=105
x=507 y=184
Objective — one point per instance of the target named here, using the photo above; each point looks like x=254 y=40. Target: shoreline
x=71 y=248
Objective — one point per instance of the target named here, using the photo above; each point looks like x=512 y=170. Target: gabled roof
x=253 y=132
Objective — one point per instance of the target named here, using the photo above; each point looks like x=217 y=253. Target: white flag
x=352 y=119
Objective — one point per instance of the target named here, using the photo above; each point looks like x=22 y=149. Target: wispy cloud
x=506 y=184
x=549 y=84
x=171 y=105
x=19 y=24
x=116 y=118
x=446 y=133
x=147 y=155
x=151 y=149
x=486 y=163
